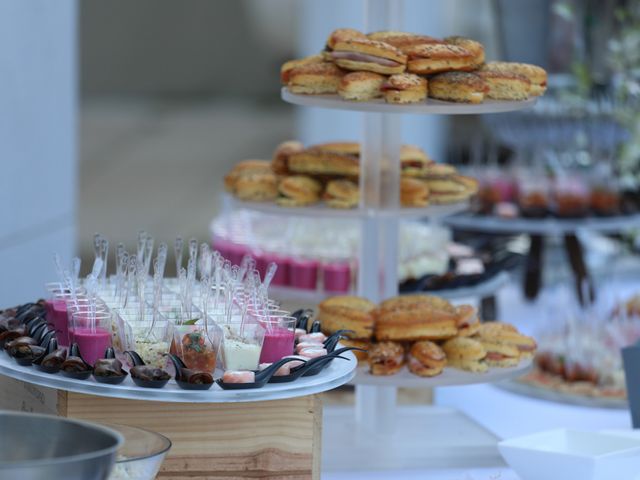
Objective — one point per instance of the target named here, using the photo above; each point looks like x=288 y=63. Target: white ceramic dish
x=571 y=454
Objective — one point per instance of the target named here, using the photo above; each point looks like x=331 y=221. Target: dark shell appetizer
x=189 y=379
x=109 y=369
x=144 y=375
x=75 y=366
x=52 y=358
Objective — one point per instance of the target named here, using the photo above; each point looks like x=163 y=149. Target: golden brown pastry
x=439 y=57
x=259 y=187
x=341 y=35
x=438 y=170
x=368 y=55
x=361 y=86
x=298 y=191
x=402 y=40
x=245 y=167
x=473 y=46
x=505 y=334
x=280 y=159
x=386 y=358
x=466 y=354
x=426 y=359
x=502 y=85
x=414 y=192
x=315 y=79
x=285 y=69
x=405 y=88
x=468 y=321
x=458 y=87
x=536 y=75
x=327 y=159
x=451 y=189
x=420 y=317
x=342 y=194
x=499 y=355
x=347 y=313
x=414 y=162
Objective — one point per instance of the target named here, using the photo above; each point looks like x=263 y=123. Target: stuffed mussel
x=144 y=375
x=75 y=366
x=189 y=379
x=109 y=369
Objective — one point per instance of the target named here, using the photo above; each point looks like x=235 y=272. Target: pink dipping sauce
x=336 y=277
x=92 y=343
x=59 y=321
x=303 y=274
x=278 y=343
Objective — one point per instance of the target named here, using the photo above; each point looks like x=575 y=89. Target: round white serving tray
x=337 y=373
x=550 y=395
x=430 y=106
x=449 y=377
x=320 y=210
x=542 y=226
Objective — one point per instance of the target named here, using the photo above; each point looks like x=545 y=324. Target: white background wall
x=37 y=143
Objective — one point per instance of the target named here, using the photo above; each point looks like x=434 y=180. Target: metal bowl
x=43 y=447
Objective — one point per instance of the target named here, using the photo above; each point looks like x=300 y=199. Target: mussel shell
x=149 y=377
x=76 y=367
x=12 y=335
x=197 y=378
x=12 y=346
x=52 y=362
x=109 y=370
x=28 y=355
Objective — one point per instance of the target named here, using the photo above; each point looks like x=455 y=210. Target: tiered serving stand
x=381 y=435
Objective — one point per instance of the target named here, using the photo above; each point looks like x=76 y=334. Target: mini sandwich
x=298 y=191
x=426 y=359
x=280 y=159
x=386 y=358
x=245 y=168
x=404 y=88
x=420 y=317
x=259 y=187
x=340 y=35
x=466 y=354
x=452 y=189
x=347 y=313
x=414 y=192
x=327 y=159
x=458 y=87
x=468 y=322
x=402 y=40
x=505 y=334
x=476 y=48
x=439 y=57
x=368 y=55
x=315 y=79
x=414 y=162
x=285 y=69
x=361 y=86
x=342 y=194
x=500 y=355
x=503 y=85
x=536 y=75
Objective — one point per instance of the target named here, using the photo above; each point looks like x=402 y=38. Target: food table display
x=372 y=184
x=210 y=363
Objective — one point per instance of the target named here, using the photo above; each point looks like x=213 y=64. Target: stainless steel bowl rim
x=74 y=458
x=143 y=457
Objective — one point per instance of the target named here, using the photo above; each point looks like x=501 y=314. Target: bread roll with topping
x=439 y=57
x=426 y=359
x=368 y=55
x=347 y=312
x=315 y=79
x=404 y=88
x=361 y=86
x=458 y=87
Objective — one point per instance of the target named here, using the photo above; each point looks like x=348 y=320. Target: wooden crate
x=277 y=439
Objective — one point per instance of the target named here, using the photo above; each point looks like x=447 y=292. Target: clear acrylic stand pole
x=380 y=189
